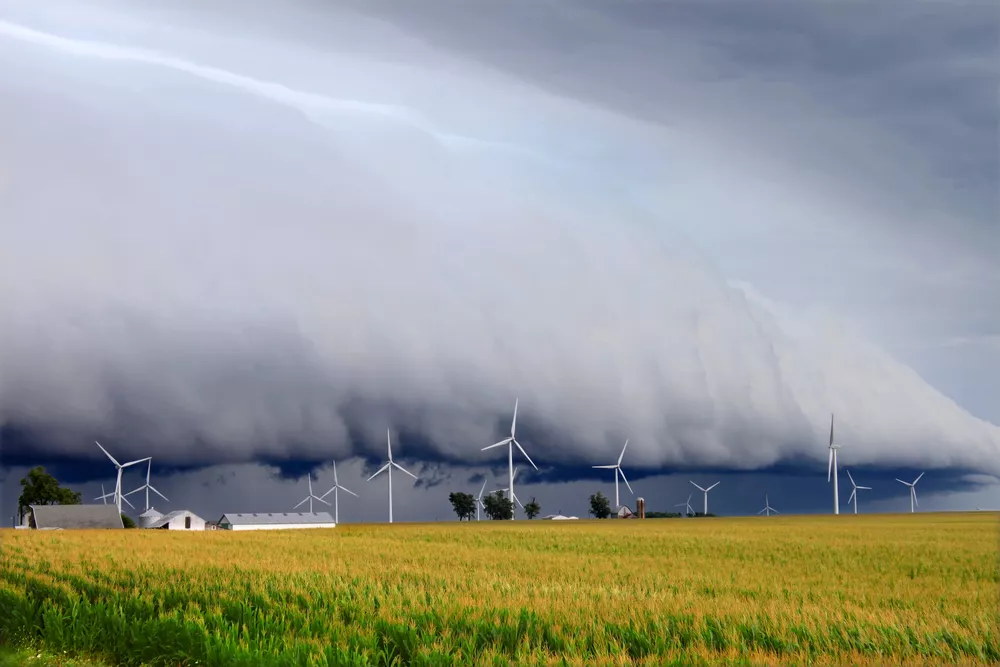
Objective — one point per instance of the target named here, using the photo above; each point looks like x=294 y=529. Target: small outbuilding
x=558 y=517
x=276 y=521
x=624 y=512
x=74 y=517
x=179 y=520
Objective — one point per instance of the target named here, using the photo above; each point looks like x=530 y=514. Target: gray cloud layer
x=224 y=238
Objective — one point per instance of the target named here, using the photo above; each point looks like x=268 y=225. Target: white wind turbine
x=510 y=442
x=148 y=487
x=767 y=507
x=336 y=494
x=705 y=491
x=104 y=496
x=688 y=510
x=854 y=492
x=118 y=482
x=310 y=497
x=515 y=497
x=913 y=491
x=832 y=467
x=617 y=467
x=479 y=500
x=388 y=466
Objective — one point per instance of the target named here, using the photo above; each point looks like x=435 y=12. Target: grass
x=866 y=590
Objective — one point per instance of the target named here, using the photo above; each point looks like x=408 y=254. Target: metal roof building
x=276 y=521
x=71 y=517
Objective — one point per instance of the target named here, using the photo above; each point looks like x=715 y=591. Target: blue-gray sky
x=236 y=232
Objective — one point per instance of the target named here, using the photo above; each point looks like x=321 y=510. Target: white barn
x=179 y=520
x=276 y=521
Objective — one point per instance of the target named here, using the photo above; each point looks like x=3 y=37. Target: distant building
x=559 y=517
x=624 y=512
x=276 y=521
x=179 y=520
x=148 y=517
x=74 y=517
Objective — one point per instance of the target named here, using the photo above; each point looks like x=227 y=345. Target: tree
x=41 y=488
x=600 y=506
x=127 y=521
x=532 y=509
x=464 y=505
x=498 y=508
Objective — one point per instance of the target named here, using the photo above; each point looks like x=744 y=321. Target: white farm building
x=276 y=521
x=179 y=520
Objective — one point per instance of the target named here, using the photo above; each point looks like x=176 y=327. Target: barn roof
x=76 y=516
x=167 y=518
x=277 y=518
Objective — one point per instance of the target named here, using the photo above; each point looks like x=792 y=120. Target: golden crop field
x=870 y=590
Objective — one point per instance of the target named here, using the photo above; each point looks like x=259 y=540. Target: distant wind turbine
x=617 y=467
x=148 y=487
x=913 y=492
x=336 y=494
x=515 y=497
x=389 y=466
x=688 y=510
x=309 y=499
x=705 y=491
x=832 y=467
x=118 y=482
x=767 y=507
x=479 y=500
x=510 y=442
x=854 y=491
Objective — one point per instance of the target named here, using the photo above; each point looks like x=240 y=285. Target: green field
x=871 y=590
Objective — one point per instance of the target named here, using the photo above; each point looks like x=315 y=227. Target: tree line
x=498 y=507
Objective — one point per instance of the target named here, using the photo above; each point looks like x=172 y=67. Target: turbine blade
x=108 y=455
x=902 y=482
x=620 y=456
x=322 y=501
x=379 y=471
x=850 y=478
x=775 y=511
x=913 y=490
x=866 y=488
x=132 y=463
x=829 y=467
x=405 y=470
x=525 y=454
x=127 y=502
x=344 y=488
x=513 y=422
x=917 y=479
x=713 y=486
x=335 y=473
x=153 y=489
x=626 y=481
x=762 y=511
x=831 y=429
x=517 y=501
x=301 y=504
x=133 y=491
x=851 y=497
x=482 y=489
x=499 y=444
x=332 y=488
x=388 y=439
x=605 y=467
x=698 y=487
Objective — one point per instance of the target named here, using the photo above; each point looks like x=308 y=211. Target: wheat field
x=871 y=590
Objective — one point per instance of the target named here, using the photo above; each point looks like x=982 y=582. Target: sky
x=247 y=239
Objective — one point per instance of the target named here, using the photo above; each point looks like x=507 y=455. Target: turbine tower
x=705 y=491
x=510 y=442
x=688 y=510
x=118 y=481
x=913 y=492
x=832 y=467
x=854 y=492
x=336 y=494
x=389 y=466
x=148 y=487
x=479 y=500
x=310 y=497
x=767 y=507
x=617 y=467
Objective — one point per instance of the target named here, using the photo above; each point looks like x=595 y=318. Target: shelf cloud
x=220 y=244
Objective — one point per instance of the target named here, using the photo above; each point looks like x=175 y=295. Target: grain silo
x=640 y=508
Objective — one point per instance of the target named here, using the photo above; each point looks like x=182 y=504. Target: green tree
x=532 y=509
x=600 y=507
x=41 y=488
x=464 y=505
x=127 y=521
x=498 y=507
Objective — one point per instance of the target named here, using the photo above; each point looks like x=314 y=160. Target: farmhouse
x=70 y=517
x=179 y=520
x=276 y=521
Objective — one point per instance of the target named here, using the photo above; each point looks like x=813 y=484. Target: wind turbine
x=148 y=487
x=388 y=466
x=854 y=492
x=913 y=491
x=688 y=510
x=767 y=507
x=617 y=467
x=479 y=500
x=832 y=467
x=104 y=496
x=118 y=482
x=705 y=491
x=510 y=442
x=336 y=494
x=310 y=497
x=515 y=497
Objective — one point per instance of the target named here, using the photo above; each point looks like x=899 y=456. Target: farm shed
x=179 y=520
x=276 y=521
x=70 y=517
x=624 y=512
